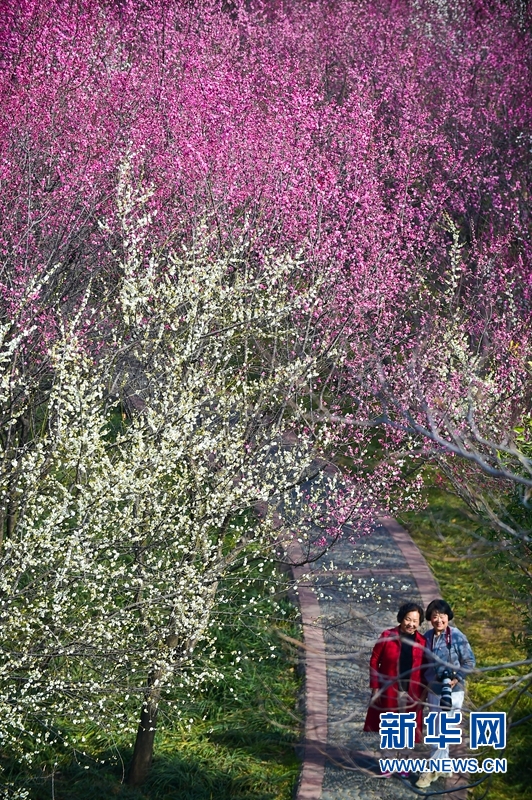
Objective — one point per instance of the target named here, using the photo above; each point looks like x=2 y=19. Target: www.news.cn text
x=446 y=765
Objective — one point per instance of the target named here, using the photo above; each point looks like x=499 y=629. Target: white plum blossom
x=125 y=505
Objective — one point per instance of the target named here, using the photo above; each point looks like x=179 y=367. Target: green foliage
x=235 y=739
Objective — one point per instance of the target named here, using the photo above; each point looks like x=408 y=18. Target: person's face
x=410 y=623
x=439 y=621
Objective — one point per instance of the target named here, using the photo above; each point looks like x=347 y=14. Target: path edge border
x=426 y=582
x=310 y=780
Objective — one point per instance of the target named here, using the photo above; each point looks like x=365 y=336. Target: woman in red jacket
x=395 y=669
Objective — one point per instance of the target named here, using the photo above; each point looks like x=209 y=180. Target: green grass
x=477 y=584
x=240 y=745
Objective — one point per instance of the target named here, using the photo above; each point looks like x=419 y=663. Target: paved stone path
x=352 y=595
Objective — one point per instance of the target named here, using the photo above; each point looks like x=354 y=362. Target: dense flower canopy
x=364 y=134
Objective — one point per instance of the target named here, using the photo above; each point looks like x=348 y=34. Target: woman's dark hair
x=441 y=606
x=407 y=608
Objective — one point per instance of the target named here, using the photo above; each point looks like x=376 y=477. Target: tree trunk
x=143 y=752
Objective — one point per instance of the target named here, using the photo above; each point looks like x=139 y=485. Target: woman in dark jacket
x=395 y=669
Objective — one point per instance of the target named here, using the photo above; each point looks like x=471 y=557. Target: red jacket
x=384 y=668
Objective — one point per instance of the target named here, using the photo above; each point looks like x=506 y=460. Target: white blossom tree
x=158 y=417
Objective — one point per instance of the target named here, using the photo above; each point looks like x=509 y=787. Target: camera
x=445 y=676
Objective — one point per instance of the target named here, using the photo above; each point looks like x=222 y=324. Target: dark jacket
x=440 y=651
